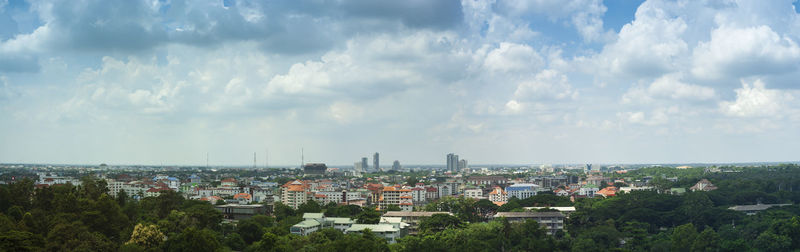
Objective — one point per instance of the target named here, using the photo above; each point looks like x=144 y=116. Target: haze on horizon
x=506 y=81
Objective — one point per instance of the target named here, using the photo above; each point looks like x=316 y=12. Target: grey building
x=376 y=162
x=364 y=164
x=396 y=165
x=452 y=162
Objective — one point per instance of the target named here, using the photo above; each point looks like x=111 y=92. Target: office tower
x=452 y=162
x=357 y=167
x=396 y=165
x=364 y=164
x=376 y=163
x=462 y=164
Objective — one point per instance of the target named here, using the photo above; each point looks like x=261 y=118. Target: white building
x=475 y=193
x=523 y=191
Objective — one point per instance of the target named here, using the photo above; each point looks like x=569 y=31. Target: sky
x=495 y=81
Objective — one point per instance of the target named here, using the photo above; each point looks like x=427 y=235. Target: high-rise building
x=357 y=166
x=364 y=164
x=452 y=162
x=376 y=162
x=396 y=165
x=462 y=164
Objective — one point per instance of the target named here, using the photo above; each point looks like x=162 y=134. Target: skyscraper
x=376 y=163
x=452 y=162
x=364 y=164
x=462 y=164
x=396 y=165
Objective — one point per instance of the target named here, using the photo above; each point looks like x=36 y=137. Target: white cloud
x=649 y=46
x=669 y=86
x=345 y=112
x=740 y=52
x=755 y=100
x=509 y=57
x=546 y=85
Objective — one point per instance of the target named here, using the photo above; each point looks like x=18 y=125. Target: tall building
x=376 y=162
x=452 y=162
x=295 y=193
x=462 y=164
x=396 y=165
x=357 y=166
x=364 y=164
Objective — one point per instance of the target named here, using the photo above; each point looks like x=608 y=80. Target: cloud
x=755 y=100
x=546 y=85
x=345 y=112
x=649 y=46
x=741 y=52
x=669 y=86
x=584 y=15
x=510 y=57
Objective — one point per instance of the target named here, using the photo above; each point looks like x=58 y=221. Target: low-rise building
x=387 y=231
x=703 y=185
x=754 y=209
x=522 y=191
x=239 y=212
x=551 y=221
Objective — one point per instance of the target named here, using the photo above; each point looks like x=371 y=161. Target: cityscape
x=399 y=126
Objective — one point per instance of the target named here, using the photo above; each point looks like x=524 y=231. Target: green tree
x=76 y=237
x=20 y=241
x=368 y=216
x=122 y=198
x=439 y=222
x=234 y=241
x=683 y=237
x=309 y=207
x=193 y=239
x=250 y=231
x=708 y=240
x=769 y=241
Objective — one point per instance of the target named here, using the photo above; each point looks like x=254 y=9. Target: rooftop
x=412 y=214
x=378 y=228
x=528 y=214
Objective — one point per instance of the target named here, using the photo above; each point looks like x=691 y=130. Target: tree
x=683 y=237
x=439 y=222
x=310 y=206
x=769 y=241
x=282 y=211
x=250 y=231
x=392 y=208
x=368 y=216
x=708 y=240
x=146 y=236
x=234 y=241
x=20 y=241
x=412 y=181
x=76 y=237
x=122 y=198
x=193 y=239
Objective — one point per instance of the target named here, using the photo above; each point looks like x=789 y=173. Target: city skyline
x=161 y=82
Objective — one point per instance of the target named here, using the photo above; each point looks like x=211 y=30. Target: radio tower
x=254 y=160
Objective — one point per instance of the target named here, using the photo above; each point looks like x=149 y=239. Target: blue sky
x=495 y=81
